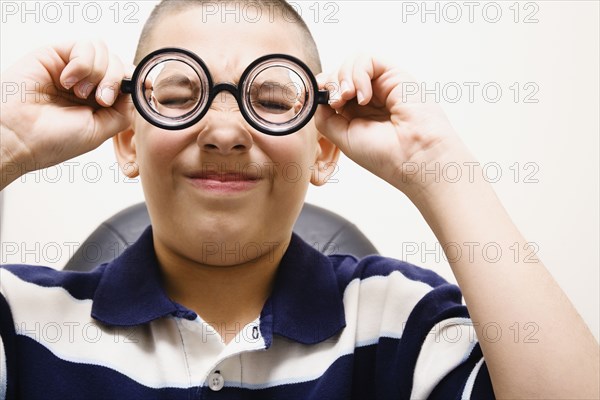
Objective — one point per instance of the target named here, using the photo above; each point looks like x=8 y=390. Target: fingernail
x=107 y=95
x=68 y=83
x=344 y=87
x=85 y=90
x=360 y=97
x=335 y=98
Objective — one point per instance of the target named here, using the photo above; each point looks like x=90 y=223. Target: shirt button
x=216 y=381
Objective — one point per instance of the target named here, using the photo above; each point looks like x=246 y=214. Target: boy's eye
x=273 y=106
x=174 y=97
x=173 y=87
x=177 y=101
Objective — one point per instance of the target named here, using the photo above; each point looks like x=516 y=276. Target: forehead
x=226 y=47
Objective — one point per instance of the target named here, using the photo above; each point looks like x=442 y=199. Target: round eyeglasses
x=172 y=89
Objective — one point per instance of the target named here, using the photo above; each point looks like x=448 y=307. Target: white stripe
x=384 y=304
x=150 y=354
x=3 y=378
x=447 y=345
x=471 y=381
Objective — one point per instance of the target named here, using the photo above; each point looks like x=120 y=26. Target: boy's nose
x=223 y=130
x=223 y=142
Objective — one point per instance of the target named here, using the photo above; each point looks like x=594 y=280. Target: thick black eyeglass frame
x=129 y=86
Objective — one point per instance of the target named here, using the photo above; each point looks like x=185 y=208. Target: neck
x=225 y=296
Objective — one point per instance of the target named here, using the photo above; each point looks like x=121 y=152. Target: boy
x=170 y=320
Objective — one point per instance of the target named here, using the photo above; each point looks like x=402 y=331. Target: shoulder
x=18 y=282
x=349 y=269
x=389 y=287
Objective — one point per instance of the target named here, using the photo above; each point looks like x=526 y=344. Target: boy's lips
x=223 y=182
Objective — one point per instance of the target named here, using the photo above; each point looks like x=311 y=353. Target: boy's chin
x=228 y=245
x=221 y=253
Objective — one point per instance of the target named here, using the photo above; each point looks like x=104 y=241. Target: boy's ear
x=326 y=161
x=124 y=144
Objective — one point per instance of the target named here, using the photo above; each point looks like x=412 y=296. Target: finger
x=348 y=90
x=362 y=75
x=80 y=63
x=110 y=121
x=333 y=126
x=109 y=86
x=85 y=86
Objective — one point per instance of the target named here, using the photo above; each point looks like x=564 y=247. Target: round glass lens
x=173 y=89
x=277 y=94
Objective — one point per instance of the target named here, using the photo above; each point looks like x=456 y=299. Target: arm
x=49 y=115
x=11 y=151
x=562 y=362
x=377 y=126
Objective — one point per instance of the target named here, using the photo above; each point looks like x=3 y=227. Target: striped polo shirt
x=334 y=327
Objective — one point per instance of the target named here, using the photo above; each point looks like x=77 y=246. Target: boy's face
x=194 y=214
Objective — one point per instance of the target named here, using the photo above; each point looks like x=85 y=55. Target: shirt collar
x=305 y=305
x=130 y=290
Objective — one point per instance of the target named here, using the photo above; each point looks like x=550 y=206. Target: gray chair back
x=326 y=231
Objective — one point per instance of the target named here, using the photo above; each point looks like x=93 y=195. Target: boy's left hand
x=382 y=128
x=380 y=125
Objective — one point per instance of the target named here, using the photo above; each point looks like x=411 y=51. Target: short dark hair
x=282 y=7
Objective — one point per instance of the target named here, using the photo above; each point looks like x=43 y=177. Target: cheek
x=293 y=156
x=156 y=150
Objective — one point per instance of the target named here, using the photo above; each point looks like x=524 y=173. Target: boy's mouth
x=224 y=182
x=226 y=177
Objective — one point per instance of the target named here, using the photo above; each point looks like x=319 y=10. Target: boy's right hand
x=60 y=102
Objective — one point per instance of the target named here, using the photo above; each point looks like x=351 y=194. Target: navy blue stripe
x=80 y=285
x=455 y=381
x=9 y=337
x=48 y=377
x=482 y=389
x=373 y=368
x=440 y=304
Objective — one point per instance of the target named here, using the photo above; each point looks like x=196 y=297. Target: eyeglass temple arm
x=127 y=86
x=323 y=97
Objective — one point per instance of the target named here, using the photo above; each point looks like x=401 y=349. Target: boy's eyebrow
x=176 y=80
x=271 y=86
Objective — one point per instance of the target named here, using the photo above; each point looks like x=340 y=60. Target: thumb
x=112 y=120
x=333 y=126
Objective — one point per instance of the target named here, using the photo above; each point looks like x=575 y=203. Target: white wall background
x=553 y=198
